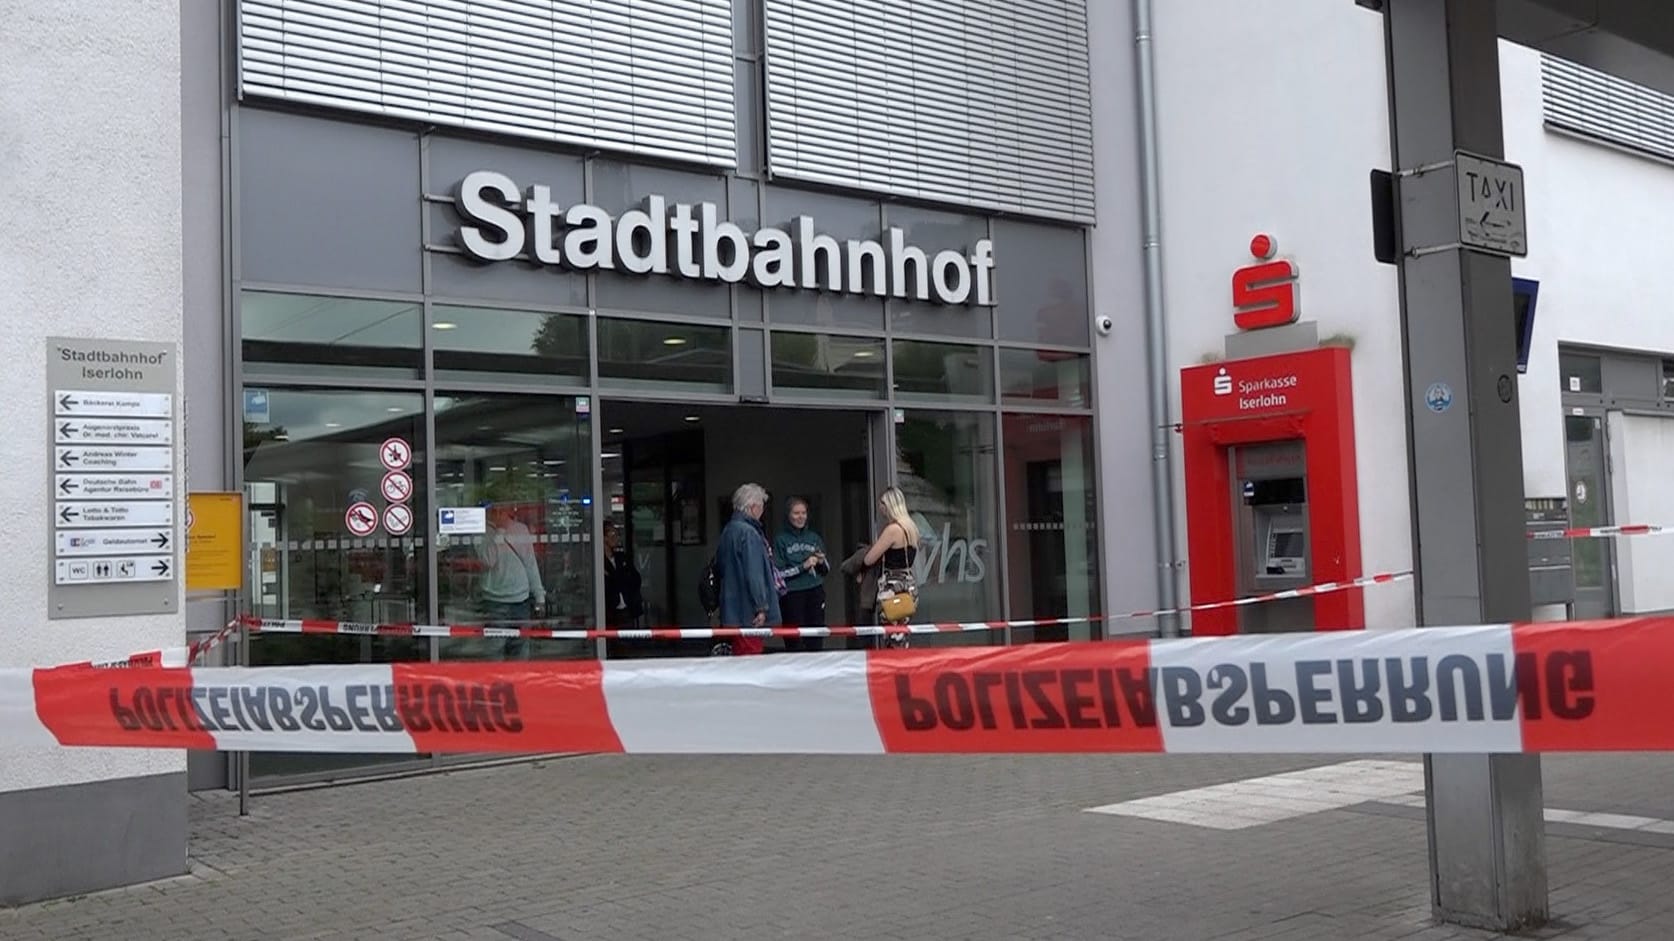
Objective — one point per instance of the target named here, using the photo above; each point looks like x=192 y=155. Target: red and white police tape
x=1566 y=686
x=281 y=626
x=166 y=657
x=1595 y=532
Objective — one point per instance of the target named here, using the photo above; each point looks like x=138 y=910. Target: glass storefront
x=526 y=462
x=513 y=386
x=945 y=468
x=311 y=462
x=1051 y=532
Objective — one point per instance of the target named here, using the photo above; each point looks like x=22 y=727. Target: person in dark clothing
x=750 y=584
x=894 y=552
x=623 y=602
x=799 y=552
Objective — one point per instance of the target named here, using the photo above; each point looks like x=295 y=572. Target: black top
x=896 y=560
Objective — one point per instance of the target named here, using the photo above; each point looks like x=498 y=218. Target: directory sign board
x=113 y=454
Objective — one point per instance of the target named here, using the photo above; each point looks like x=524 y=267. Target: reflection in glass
x=508 y=344
x=647 y=354
x=317 y=455
x=1045 y=376
x=311 y=334
x=1050 y=520
x=946 y=469
x=1041 y=283
x=836 y=367
x=1581 y=372
x=943 y=371
x=524 y=462
x=618 y=187
x=843 y=219
x=934 y=232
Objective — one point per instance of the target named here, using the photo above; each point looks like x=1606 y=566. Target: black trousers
x=805 y=608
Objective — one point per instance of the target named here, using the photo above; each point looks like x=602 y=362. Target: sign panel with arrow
x=104 y=571
x=137 y=404
x=111 y=503
x=115 y=541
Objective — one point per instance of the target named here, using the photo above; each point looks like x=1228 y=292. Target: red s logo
x=1264 y=295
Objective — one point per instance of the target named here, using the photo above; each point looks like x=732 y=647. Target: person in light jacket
x=750 y=584
x=510 y=585
x=799 y=552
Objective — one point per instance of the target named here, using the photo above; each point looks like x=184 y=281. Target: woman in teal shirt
x=799 y=553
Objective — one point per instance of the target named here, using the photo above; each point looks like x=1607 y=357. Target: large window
x=1030 y=376
x=828 y=366
x=673 y=357
x=325 y=542
x=514 y=518
x=940 y=372
x=303 y=334
x=946 y=469
x=1052 y=545
x=508 y=345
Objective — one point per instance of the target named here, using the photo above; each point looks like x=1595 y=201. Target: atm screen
x=1286 y=544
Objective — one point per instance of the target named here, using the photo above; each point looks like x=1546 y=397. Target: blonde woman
x=893 y=551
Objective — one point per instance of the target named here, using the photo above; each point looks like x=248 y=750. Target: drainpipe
x=1156 y=333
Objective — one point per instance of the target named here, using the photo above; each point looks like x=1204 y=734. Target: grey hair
x=749 y=495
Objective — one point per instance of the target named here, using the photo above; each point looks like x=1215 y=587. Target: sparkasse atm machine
x=1272 y=500
x=1271 y=506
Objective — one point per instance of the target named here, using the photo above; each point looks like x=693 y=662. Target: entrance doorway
x=1585 y=449
x=669 y=472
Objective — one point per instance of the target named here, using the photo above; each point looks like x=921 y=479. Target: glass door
x=1585 y=458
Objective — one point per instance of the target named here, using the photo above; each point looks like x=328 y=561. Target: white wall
x=90 y=245
x=1598 y=243
x=1272 y=114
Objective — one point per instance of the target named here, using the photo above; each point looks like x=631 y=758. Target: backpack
x=709 y=587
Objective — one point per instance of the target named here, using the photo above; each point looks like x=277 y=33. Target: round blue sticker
x=1439 y=397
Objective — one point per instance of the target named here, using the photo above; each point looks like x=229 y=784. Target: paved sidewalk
x=886 y=847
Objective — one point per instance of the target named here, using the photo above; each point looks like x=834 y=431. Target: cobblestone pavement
x=887 y=848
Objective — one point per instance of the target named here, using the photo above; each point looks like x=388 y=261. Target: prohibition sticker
x=361 y=519
x=398 y=519
x=397 y=486
x=395 y=454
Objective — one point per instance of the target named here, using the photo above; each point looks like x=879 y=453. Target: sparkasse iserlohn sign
x=685 y=240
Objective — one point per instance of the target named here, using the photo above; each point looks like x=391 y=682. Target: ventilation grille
x=1591 y=103
x=984 y=103
x=650 y=77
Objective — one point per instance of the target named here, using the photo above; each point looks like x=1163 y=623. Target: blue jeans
x=510 y=614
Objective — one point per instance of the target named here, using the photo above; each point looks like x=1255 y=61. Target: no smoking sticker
x=361 y=518
x=398 y=519
x=395 y=454
x=397 y=486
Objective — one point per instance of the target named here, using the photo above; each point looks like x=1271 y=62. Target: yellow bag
x=897 y=608
x=897 y=597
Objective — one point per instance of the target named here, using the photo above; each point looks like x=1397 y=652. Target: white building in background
x=1272 y=113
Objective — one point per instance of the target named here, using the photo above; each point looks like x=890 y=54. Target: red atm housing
x=1304 y=396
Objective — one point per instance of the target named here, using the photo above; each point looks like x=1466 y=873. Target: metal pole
x=1484 y=812
x=243 y=756
x=1156 y=328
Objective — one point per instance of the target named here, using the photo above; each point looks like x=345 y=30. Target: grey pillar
x=1487 y=846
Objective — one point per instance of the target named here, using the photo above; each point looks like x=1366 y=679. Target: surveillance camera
x=1106 y=325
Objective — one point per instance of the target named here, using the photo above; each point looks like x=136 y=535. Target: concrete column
x=90 y=246
x=1487 y=848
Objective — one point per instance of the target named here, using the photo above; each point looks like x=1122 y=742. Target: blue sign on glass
x=256 y=407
